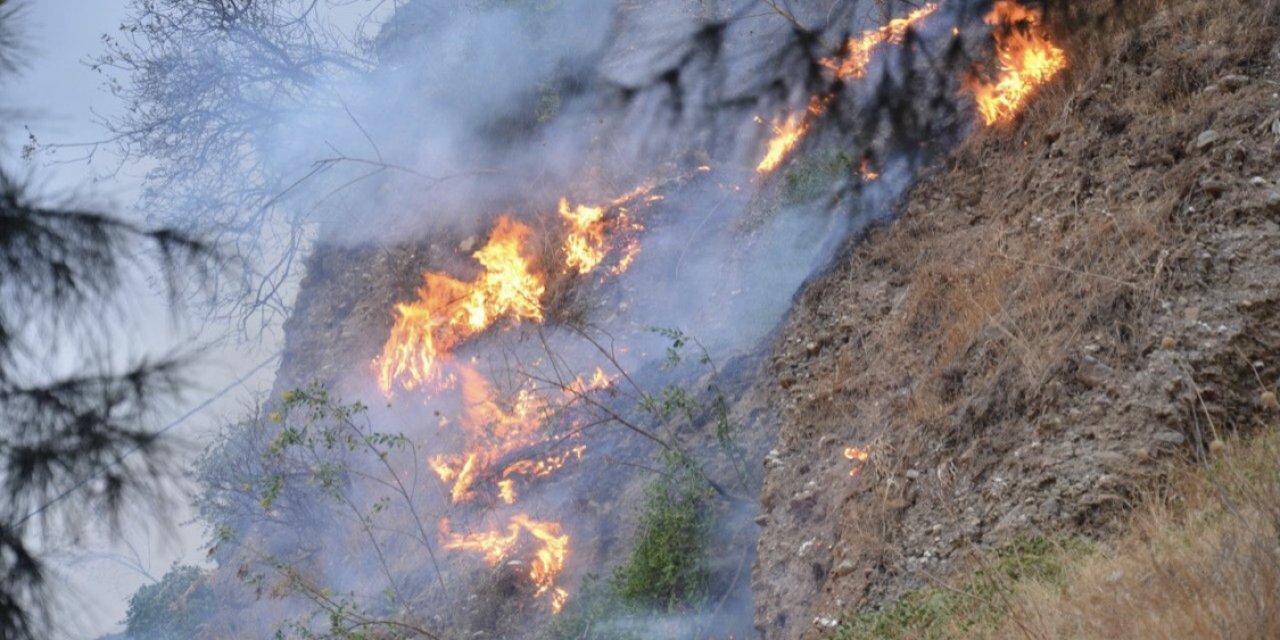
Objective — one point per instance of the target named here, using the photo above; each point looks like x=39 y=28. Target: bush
x=980 y=602
x=668 y=568
x=172 y=609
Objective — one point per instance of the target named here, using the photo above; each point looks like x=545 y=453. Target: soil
x=1068 y=307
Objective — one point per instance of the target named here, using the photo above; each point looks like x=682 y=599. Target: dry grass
x=1203 y=562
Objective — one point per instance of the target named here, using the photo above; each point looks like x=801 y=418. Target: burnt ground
x=1071 y=306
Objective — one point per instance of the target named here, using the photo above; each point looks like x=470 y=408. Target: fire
x=851 y=66
x=1025 y=59
x=599 y=380
x=860 y=49
x=859 y=456
x=786 y=135
x=586 y=244
x=448 y=310
x=867 y=173
x=495 y=546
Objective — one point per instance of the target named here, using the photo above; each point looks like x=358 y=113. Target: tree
x=73 y=442
x=214 y=92
x=171 y=609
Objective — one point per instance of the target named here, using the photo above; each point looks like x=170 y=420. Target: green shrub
x=668 y=567
x=978 y=602
x=172 y=609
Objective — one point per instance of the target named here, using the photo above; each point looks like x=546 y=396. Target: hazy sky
x=58 y=95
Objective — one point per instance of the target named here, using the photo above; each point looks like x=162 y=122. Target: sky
x=58 y=96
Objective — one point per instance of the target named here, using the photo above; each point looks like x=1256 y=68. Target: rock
x=1050 y=508
x=1259 y=181
x=1214 y=187
x=1169 y=437
x=806 y=546
x=762 y=519
x=1092 y=372
x=1206 y=139
x=1268 y=400
x=913 y=474
x=811 y=347
x=1233 y=82
x=1272 y=200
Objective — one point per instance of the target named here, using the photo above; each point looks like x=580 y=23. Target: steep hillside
x=1069 y=308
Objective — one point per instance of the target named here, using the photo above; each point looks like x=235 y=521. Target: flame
x=544 y=467
x=579 y=387
x=859 y=456
x=851 y=66
x=495 y=546
x=1025 y=59
x=449 y=311
x=786 y=135
x=586 y=244
x=860 y=49
x=867 y=173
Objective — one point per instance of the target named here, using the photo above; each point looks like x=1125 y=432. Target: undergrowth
x=979 y=602
x=667 y=569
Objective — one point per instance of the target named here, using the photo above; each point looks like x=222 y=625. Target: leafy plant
x=979 y=602
x=668 y=567
x=173 y=608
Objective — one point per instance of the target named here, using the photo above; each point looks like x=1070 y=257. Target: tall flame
x=449 y=311
x=1025 y=59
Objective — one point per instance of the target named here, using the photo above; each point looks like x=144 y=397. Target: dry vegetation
x=1201 y=561
x=1065 y=304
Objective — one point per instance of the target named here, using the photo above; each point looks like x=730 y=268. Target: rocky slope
x=1065 y=309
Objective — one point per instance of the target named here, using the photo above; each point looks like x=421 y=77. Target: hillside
x=627 y=350
x=1066 y=311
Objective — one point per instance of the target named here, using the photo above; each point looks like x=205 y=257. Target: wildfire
x=1025 y=60
x=850 y=66
x=496 y=546
x=860 y=49
x=859 y=456
x=449 y=310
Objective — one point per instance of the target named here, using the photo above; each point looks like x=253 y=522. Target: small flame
x=860 y=49
x=859 y=456
x=1025 y=59
x=851 y=66
x=495 y=546
x=586 y=244
x=867 y=173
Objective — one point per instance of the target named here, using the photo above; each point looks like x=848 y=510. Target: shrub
x=668 y=568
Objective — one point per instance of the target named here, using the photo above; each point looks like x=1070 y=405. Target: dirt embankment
x=1065 y=309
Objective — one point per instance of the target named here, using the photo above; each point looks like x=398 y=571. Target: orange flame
x=786 y=135
x=851 y=66
x=859 y=456
x=860 y=49
x=449 y=311
x=495 y=546
x=1025 y=58
x=586 y=245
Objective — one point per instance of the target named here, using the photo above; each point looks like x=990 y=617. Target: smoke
x=476 y=111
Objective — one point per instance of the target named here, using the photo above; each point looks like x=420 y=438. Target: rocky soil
x=1065 y=309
